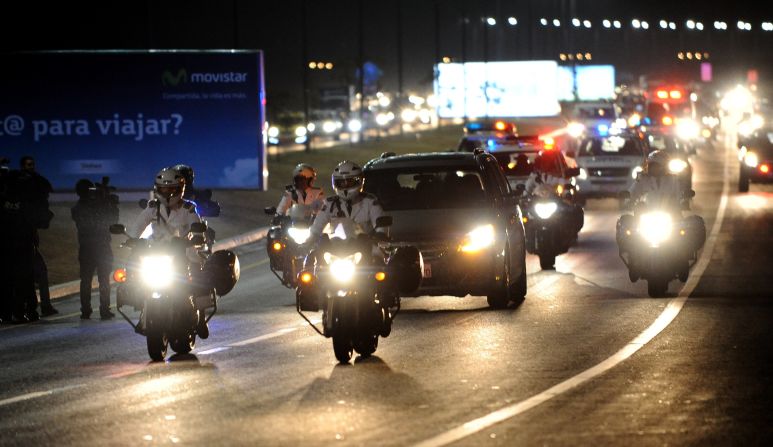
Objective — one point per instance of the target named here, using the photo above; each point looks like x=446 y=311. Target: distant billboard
x=127 y=114
x=592 y=81
x=497 y=89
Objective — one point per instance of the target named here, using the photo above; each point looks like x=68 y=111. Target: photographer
x=96 y=210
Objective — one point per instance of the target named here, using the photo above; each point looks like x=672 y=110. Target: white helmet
x=169 y=186
x=657 y=162
x=347 y=179
x=304 y=172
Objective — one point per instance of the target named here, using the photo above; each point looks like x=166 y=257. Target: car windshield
x=426 y=188
x=614 y=145
x=666 y=143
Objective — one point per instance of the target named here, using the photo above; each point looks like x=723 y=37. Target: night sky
x=274 y=26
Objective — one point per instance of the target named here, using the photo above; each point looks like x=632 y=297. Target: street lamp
x=663 y=24
x=556 y=23
x=606 y=23
x=671 y=26
x=576 y=22
x=690 y=24
x=645 y=24
x=617 y=24
x=512 y=21
x=586 y=23
x=699 y=26
x=543 y=21
x=491 y=21
x=636 y=23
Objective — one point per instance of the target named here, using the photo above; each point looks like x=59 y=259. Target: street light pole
x=305 y=68
x=361 y=66
x=399 y=59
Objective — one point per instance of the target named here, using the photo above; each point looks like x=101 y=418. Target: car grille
x=609 y=172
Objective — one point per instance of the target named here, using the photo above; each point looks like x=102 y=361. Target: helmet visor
x=167 y=190
x=346 y=183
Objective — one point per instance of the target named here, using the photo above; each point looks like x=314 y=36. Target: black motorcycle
x=659 y=244
x=357 y=291
x=287 y=244
x=171 y=292
x=552 y=224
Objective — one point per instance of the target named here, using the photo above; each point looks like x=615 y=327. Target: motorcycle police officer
x=302 y=191
x=660 y=187
x=169 y=215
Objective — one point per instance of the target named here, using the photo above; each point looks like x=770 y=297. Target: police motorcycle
x=356 y=282
x=287 y=242
x=659 y=244
x=169 y=290
x=552 y=220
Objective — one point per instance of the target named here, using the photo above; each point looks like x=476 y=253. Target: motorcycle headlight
x=156 y=271
x=751 y=160
x=478 y=239
x=687 y=129
x=676 y=166
x=655 y=227
x=575 y=129
x=299 y=235
x=545 y=209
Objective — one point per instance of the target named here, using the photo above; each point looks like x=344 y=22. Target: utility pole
x=361 y=67
x=305 y=68
x=399 y=61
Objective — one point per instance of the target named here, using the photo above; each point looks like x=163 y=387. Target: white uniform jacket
x=314 y=197
x=357 y=215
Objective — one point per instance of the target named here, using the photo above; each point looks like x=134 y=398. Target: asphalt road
x=264 y=378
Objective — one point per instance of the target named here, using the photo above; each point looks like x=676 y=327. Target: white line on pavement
x=663 y=321
x=35 y=395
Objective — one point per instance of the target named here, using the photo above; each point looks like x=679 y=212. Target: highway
x=587 y=359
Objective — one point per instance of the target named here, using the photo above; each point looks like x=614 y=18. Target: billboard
x=128 y=114
x=497 y=89
x=593 y=82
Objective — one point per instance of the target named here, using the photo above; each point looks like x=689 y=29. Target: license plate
x=427 y=270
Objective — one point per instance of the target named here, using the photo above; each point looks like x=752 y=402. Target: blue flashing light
x=474 y=126
x=603 y=129
x=491 y=144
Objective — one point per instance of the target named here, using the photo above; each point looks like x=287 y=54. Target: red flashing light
x=500 y=125
x=662 y=94
x=667 y=120
x=764 y=169
x=675 y=94
x=119 y=275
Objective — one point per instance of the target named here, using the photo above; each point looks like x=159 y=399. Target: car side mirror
x=198 y=227
x=117 y=229
x=270 y=210
x=384 y=221
x=143 y=203
x=572 y=172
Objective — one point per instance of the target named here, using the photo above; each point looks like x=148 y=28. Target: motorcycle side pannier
x=222 y=270
x=407 y=266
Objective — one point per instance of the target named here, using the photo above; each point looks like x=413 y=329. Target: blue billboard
x=126 y=115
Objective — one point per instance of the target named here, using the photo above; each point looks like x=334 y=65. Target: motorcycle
x=358 y=291
x=552 y=224
x=659 y=244
x=287 y=243
x=171 y=292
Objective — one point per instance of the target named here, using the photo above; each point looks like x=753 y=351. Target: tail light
x=119 y=275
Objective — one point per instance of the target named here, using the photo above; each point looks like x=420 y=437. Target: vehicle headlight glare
x=676 y=166
x=273 y=132
x=583 y=174
x=156 y=271
x=545 y=209
x=575 y=129
x=329 y=126
x=299 y=235
x=751 y=160
x=635 y=171
x=342 y=269
x=354 y=125
x=655 y=227
x=478 y=239
x=687 y=129
x=301 y=131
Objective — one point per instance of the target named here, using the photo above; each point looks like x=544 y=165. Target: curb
x=69 y=288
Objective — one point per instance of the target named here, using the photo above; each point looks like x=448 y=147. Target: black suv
x=460 y=211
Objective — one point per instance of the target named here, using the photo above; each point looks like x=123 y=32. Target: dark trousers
x=22 y=276
x=40 y=271
x=100 y=261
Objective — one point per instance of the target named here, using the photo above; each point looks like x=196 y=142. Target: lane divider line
x=35 y=395
x=663 y=321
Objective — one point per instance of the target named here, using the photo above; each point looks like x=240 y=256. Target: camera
x=100 y=191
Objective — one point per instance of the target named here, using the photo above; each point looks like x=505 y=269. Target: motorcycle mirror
x=143 y=203
x=572 y=172
x=198 y=227
x=117 y=229
x=270 y=210
x=384 y=221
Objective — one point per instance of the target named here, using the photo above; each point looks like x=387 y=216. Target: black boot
x=47 y=310
x=202 y=329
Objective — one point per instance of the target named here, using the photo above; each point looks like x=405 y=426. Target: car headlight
x=354 y=125
x=575 y=130
x=687 y=129
x=677 y=165
x=301 y=131
x=329 y=126
x=751 y=160
x=545 y=209
x=635 y=171
x=478 y=239
x=273 y=132
x=299 y=235
x=156 y=271
x=655 y=227
x=583 y=174
x=342 y=269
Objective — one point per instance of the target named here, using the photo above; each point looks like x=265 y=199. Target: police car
x=609 y=164
x=478 y=134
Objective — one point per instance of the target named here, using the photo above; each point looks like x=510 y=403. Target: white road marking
x=249 y=341
x=35 y=395
x=664 y=319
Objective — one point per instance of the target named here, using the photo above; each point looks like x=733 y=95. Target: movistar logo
x=167 y=78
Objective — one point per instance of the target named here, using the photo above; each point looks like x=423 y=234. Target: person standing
x=93 y=214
